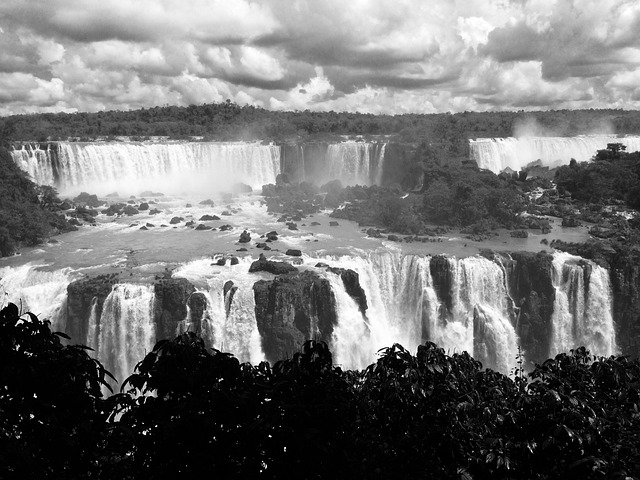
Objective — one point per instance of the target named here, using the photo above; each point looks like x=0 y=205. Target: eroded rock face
x=171 y=297
x=530 y=277
x=277 y=268
x=625 y=283
x=299 y=306
x=80 y=301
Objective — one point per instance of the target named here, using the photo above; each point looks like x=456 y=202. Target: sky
x=370 y=56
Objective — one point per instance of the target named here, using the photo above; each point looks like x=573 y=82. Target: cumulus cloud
x=370 y=56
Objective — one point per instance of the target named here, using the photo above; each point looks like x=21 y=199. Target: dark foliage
x=26 y=216
x=190 y=411
x=51 y=420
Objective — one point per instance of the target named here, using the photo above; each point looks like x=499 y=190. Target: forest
x=190 y=410
x=228 y=121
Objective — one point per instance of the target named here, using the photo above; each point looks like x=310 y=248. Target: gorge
x=119 y=288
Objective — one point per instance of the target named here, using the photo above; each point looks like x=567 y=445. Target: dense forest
x=189 y=410
x=228 y=121
x=27 y=215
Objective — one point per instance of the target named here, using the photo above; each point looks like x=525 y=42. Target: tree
x=52 y=419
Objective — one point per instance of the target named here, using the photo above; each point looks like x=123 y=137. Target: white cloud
x=362 y=55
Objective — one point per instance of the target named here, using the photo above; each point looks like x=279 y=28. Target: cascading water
x=356 y=163
x=582 y=312
x=38 y=291
x=496 y=154
x=404 y=308
x=228 y=324
x=173 y=168
x=126 y=329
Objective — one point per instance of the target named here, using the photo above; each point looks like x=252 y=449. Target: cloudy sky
x=376 y=56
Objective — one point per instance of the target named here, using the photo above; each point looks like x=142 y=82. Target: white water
x=582 y=312
x=236 y=332
x=170 y=168
x=496 y=154
x=126 y=329
x=38 y=291
x=404 y=308
x=356 y=163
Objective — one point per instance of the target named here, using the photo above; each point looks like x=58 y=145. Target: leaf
x=60 y=334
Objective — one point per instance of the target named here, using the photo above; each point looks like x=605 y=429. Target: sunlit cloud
x=367 y=56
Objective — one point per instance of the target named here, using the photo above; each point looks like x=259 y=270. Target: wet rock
x=393 y=238
x=315 y=224
x=242 y=250
x=209 y=218
x=292 y=252
x=226 y=213
x=176 y=220
x=292 y=226
x=149 y=193
x=80 y=302
x=150 y=225
x=130 y=210
x=234 y=260
x=222 y=261
x=154 y=211
x=373 y=232
x=334 y=224
x=519 y=234
x=143 y=206
x=207 y=202
x=143 y=228
x=225 y=228
x=190 y=223
x=202 y=227
x=171 y=297
x=277 y=268
x=570 y=222
x=245 y=237
x=88 y=200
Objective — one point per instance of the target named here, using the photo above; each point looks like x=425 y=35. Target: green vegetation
x=457 y=196
x=26 y=210
x=613 y=175
x=189 y=410
x=228 y=121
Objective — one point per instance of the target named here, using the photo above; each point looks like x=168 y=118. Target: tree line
x=190 y=410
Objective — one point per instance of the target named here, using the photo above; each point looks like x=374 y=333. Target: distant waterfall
x=173 y=168
x=126 y=329
x=582 y=313
x=356 y=163
x=496 y=154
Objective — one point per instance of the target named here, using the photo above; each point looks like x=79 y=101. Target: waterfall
x=355 y=163
x=172 y=168
x=38 y=291
x=126 y=329
x=496 y=154
x=404 y=307
x=582 y=312
x=226 y=324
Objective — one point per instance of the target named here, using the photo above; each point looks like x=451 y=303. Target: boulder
x=176 y=220
x=143 y=206
x=225 y=228
x=149 y=193
x=209 y=218
x=277 y=268
x=519 y=234
x=207 y=202
x=130 y=210
x=292 y=226
x=88 y=200
x=334 y=224
x=292 y=252
x=202 y=227
x=245 y=237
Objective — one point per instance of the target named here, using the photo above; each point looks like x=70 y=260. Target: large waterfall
x=470 y=310
x=582 y=309
x=188 y=168
x=496 y=154
x=461 y=304
x=126 y=328
x=175 y=168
